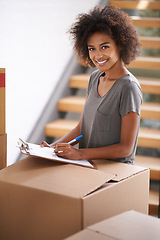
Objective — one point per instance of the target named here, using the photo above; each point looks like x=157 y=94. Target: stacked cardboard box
x=129 y=225
x=42 y=199
x=3 y=135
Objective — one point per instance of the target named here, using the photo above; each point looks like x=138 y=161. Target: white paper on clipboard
x=48 y=153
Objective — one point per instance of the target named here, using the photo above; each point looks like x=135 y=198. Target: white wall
x=34 y=49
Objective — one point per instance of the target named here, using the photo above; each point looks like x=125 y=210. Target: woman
x=106 y=39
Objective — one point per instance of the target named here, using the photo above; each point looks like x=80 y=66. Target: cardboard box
x=129 y=225
x=42 y=199
x=3 y=151
x=2 y=101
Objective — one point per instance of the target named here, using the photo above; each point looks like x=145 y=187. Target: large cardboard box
x=42 y=199
x=130 y=225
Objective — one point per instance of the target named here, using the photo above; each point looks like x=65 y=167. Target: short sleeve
x=131 y=99
x=95 y=74
x=89 y=85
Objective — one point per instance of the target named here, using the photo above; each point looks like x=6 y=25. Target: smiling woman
x=112 y=21
x=106 y=57
x=103 y=51
x=106 y=39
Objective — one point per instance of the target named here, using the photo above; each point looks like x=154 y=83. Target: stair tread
x=149 y=85
x=148 y=59
x=151 y=106
x=150 y=110
x=147 y=161
x=143 y=132
x=63 y=124
x=146 y=21
x=76 y=103
x=79 y=81
x=150 y=162
x=154 y=202
x=145 y=63
x=154 y=198
x=72 y=100
x=59 y=128
x=146 y=18
x=66 y=125
x=71 y=103
x=149 y=133
x=149 y=138
x=136 y=4
x=80 y=100
x=150 y=42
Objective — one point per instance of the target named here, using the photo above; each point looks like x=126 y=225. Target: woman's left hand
x=65 y=150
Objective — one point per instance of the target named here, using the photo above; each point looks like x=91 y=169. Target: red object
x=2 y=79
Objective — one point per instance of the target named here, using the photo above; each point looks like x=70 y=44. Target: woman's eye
x=90 y=49
x=105 y=47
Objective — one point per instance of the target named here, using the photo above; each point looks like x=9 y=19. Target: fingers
x=66 y=150
x=62 y=148
x=44 y=144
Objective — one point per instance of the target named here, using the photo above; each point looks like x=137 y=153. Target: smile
x=102 y=62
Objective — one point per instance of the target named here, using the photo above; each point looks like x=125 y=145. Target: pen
x=72 y=141
x=75 y=139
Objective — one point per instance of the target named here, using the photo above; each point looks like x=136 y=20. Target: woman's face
x=103 y=51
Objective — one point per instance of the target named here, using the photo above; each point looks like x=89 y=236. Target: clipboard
x=47 y=153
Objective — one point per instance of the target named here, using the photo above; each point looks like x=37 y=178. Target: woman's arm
x=129 y=128
x=75 y=132
x=68 y=137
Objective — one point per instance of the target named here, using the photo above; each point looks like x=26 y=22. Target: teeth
x=101 y=62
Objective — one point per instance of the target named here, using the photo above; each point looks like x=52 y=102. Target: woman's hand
x=66 y=150
x=45 y=144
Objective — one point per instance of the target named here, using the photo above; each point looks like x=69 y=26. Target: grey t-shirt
x=101 y=123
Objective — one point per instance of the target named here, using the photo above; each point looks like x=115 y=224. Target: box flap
x=121 y=170
x=129 y=225
x=87 y=234
x=59 y=178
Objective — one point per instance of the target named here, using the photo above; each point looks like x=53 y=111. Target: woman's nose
x=98 y=54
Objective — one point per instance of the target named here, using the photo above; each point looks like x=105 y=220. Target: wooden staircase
x=148 y=137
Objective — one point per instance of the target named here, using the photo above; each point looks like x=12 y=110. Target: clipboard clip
x=23 y=145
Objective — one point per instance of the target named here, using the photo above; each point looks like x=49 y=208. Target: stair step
x=150 y=110
x=150 y=162
x=59 y=128
x=148 y=85
x=136 y=4
x=149 y=22
x=79 y=81
x=76 y=103
x=71 y=104
x=150 y=42
x=149 y=137
x=146 y=63
x=153 y=202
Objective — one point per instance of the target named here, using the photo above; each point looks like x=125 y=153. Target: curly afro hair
x=112 y=21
